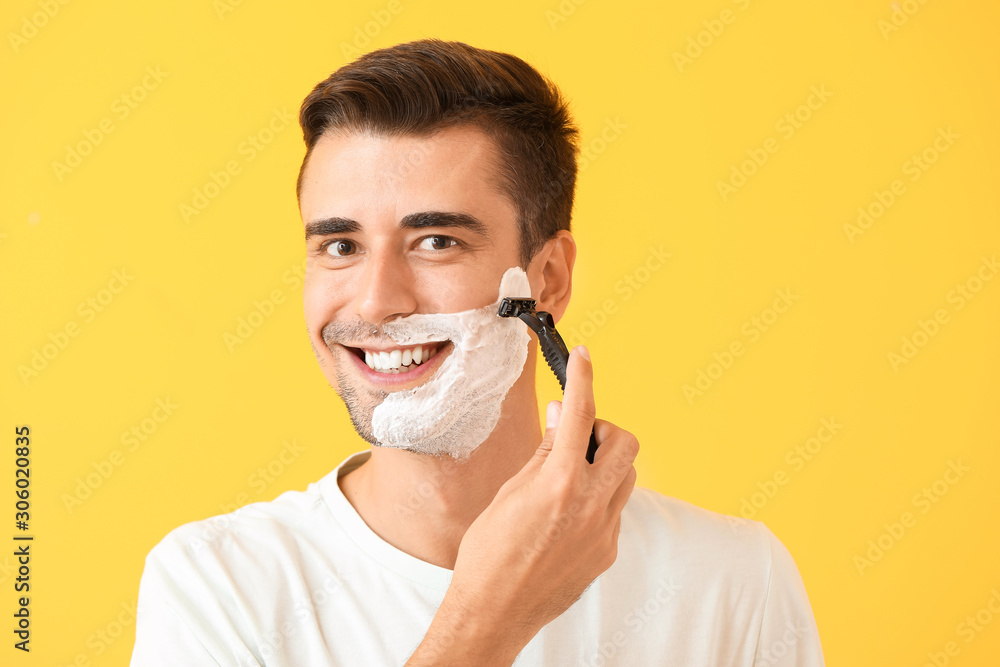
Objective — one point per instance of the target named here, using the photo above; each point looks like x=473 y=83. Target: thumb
x=552 y=412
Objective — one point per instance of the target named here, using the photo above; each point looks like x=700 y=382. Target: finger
x=622 y=493
x=614 y=443
x=603 y=431
x=552 y=412
x=578 y=411
x=614 y=460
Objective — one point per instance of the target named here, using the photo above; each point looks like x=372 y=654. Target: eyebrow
x=335 y=225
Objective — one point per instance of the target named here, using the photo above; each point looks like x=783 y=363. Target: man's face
x=397 y=226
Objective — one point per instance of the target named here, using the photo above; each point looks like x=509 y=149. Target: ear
x=551 y=274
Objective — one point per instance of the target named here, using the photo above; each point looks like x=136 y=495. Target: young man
x=438 y=178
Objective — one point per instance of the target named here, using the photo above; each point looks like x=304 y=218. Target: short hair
x=420 y=87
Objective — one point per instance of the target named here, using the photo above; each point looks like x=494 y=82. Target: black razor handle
x=553 y=347
x=557 y=356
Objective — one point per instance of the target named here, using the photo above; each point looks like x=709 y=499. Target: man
x=437 y=179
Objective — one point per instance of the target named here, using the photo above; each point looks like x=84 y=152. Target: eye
x=339 y=247
x=440 y=242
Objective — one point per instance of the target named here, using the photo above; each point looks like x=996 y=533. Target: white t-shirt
x=303 y=581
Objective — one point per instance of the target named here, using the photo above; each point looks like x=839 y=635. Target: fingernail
x=584 y=352
x=551 y=414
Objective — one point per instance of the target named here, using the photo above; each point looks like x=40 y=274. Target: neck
x=422 y=504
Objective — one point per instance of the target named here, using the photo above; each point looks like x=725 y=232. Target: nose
x=386 y=288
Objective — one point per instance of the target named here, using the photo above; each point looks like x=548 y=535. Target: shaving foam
x=457 y=409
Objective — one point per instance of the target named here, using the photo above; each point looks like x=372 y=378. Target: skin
x=383 y=272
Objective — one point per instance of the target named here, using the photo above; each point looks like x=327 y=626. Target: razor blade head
x=510 y=307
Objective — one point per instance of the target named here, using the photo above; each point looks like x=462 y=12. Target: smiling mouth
x=392 y=361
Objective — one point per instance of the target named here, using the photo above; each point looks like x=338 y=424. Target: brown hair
x=420 y=87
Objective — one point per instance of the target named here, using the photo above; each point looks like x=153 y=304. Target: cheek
x=318 y=304
x=462 y=288
x=318 y=308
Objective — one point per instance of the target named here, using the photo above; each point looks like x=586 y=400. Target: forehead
x=368 y=177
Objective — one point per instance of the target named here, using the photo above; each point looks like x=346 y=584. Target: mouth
x=383 y=368
x=396 y=360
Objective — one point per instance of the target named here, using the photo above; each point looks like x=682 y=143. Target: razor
x=553 y=348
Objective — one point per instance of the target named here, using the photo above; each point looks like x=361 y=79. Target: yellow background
x=677 y=129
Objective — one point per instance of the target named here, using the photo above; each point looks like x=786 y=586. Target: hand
x=551 y=529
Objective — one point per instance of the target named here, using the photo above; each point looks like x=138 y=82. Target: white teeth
x=399 y=361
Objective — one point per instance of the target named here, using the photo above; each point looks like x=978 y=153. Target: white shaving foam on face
x=457 y=409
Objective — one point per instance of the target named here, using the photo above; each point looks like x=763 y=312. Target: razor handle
x=553 y=347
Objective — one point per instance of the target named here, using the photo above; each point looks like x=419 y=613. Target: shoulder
x=701 y=560
x=663 y=515
x=737 y=563
x=661 y=526
x=209 y=585
x=250 y=539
